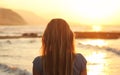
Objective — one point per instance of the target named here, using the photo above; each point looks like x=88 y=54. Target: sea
x=17 y=54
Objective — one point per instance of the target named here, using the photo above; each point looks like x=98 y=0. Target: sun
x=96 y=28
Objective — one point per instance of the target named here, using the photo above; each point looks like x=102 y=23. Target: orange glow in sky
x=88 y=12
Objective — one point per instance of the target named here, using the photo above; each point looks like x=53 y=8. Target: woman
x=58 y=56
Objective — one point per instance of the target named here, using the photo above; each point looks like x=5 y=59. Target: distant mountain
x=10 y=17
x=31 y=18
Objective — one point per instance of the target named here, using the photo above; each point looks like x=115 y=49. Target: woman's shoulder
x=37 y=64
x=79 y=55
x=37 y=60
x=79 y=63
x=80 y=58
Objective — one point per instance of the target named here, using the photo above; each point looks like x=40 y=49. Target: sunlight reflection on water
x=96 y=63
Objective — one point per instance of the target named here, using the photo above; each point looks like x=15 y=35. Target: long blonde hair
x=58 y=48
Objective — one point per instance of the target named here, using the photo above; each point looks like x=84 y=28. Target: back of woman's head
x=58 y=48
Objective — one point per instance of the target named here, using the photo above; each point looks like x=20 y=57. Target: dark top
x=79 y=64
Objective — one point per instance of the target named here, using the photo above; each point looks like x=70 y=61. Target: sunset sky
x=84 y=12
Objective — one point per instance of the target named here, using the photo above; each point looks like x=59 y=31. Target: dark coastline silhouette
x=80 y=35
x=98 y=35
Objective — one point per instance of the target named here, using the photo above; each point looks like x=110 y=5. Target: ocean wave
x=116 y=51
x=8 y=70
x=110 y=49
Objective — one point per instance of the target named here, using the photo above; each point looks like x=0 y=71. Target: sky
x=81 y=12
